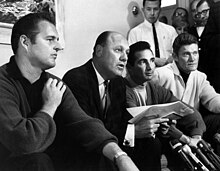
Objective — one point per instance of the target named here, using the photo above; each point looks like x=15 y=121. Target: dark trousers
x=29 y=162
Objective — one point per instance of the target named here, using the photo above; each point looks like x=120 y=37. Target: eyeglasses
x=203 y=12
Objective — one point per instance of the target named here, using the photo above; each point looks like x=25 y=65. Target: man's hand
x=147 y=127
x=52 y=95
x=194 y=140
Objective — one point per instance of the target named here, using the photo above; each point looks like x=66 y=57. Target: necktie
x=106 y=98
x=157 y=51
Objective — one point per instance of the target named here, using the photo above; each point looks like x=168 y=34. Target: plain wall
x=85 y=20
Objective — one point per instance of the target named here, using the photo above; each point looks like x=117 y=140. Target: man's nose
x=148 y=67
x=58 y=46
x=152 y=12
x=124 y=57
x=191 y=57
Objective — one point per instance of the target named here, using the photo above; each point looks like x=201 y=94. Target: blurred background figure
x=180 y=20
x=180 y=14
x=212 y=44
x=163 y=19
x=200 y=14
x=181 y=26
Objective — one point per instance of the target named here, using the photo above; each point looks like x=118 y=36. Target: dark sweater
x=25 y=129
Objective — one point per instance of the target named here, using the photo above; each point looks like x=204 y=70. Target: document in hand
x=174 y=111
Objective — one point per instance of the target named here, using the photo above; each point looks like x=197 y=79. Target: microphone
x=208 y=151
x=177 y=147
x=188 y=151
x=204 y=159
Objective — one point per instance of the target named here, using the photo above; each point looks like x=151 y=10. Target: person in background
x=159 y=35
x=142 y=92
x=38 y=110
x=180 y=14
x=193 y=11
x=87 y=83
x=212 y=46
x=181 y=26
x=198 y=29
x=163 y=19
x=190 y=85
x=180 y=20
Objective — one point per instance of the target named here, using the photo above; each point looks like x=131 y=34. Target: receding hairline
x=111 y=36
x=194 y=1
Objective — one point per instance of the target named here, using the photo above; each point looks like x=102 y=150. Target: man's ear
x=175 y=57
x=98 y=50
x=24 y=41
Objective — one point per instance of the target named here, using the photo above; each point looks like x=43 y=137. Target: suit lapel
x=94 y=90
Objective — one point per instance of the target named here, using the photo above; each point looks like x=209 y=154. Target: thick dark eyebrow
x=53 y=37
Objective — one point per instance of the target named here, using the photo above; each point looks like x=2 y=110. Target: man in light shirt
x=190 y=85
x=144 y=32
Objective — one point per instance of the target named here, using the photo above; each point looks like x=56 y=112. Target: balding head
x=110 y=54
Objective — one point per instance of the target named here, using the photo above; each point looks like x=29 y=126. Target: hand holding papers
x=174 y=111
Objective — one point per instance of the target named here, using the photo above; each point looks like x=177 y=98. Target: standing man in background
x=159 y=35
x=212 y=44
x=200 y=14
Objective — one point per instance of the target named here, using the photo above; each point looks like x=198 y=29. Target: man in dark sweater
x=38 y=109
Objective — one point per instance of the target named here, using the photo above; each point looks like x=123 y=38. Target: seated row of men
x=77 y=123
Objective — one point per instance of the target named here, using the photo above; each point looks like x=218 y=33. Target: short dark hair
x=144 y=1
x=137 y=47
x=28 y=25
x=191 y=3
x=201 y=2
x=183 y=39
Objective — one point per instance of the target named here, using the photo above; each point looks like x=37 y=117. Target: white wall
x=85 y=20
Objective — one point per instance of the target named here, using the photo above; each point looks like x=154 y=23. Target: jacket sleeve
x=192 y=124
x=88 y=132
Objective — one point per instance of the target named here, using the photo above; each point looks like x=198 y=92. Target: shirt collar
x=16 y=73
x=132 y=84
x=99 y=77
x=175 y=68
x=147 y=23
x=13 y=68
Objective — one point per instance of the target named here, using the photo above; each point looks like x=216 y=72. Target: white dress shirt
x=165 y=34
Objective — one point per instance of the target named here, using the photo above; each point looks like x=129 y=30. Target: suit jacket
x=212 y=46
x=84 y=84
x=202 y=59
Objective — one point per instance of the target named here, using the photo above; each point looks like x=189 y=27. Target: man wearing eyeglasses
x=200 y=13
x=212 y=45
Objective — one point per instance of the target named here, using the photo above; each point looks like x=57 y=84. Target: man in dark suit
x=200 y=18
x=212 y=40
x=87 y=84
